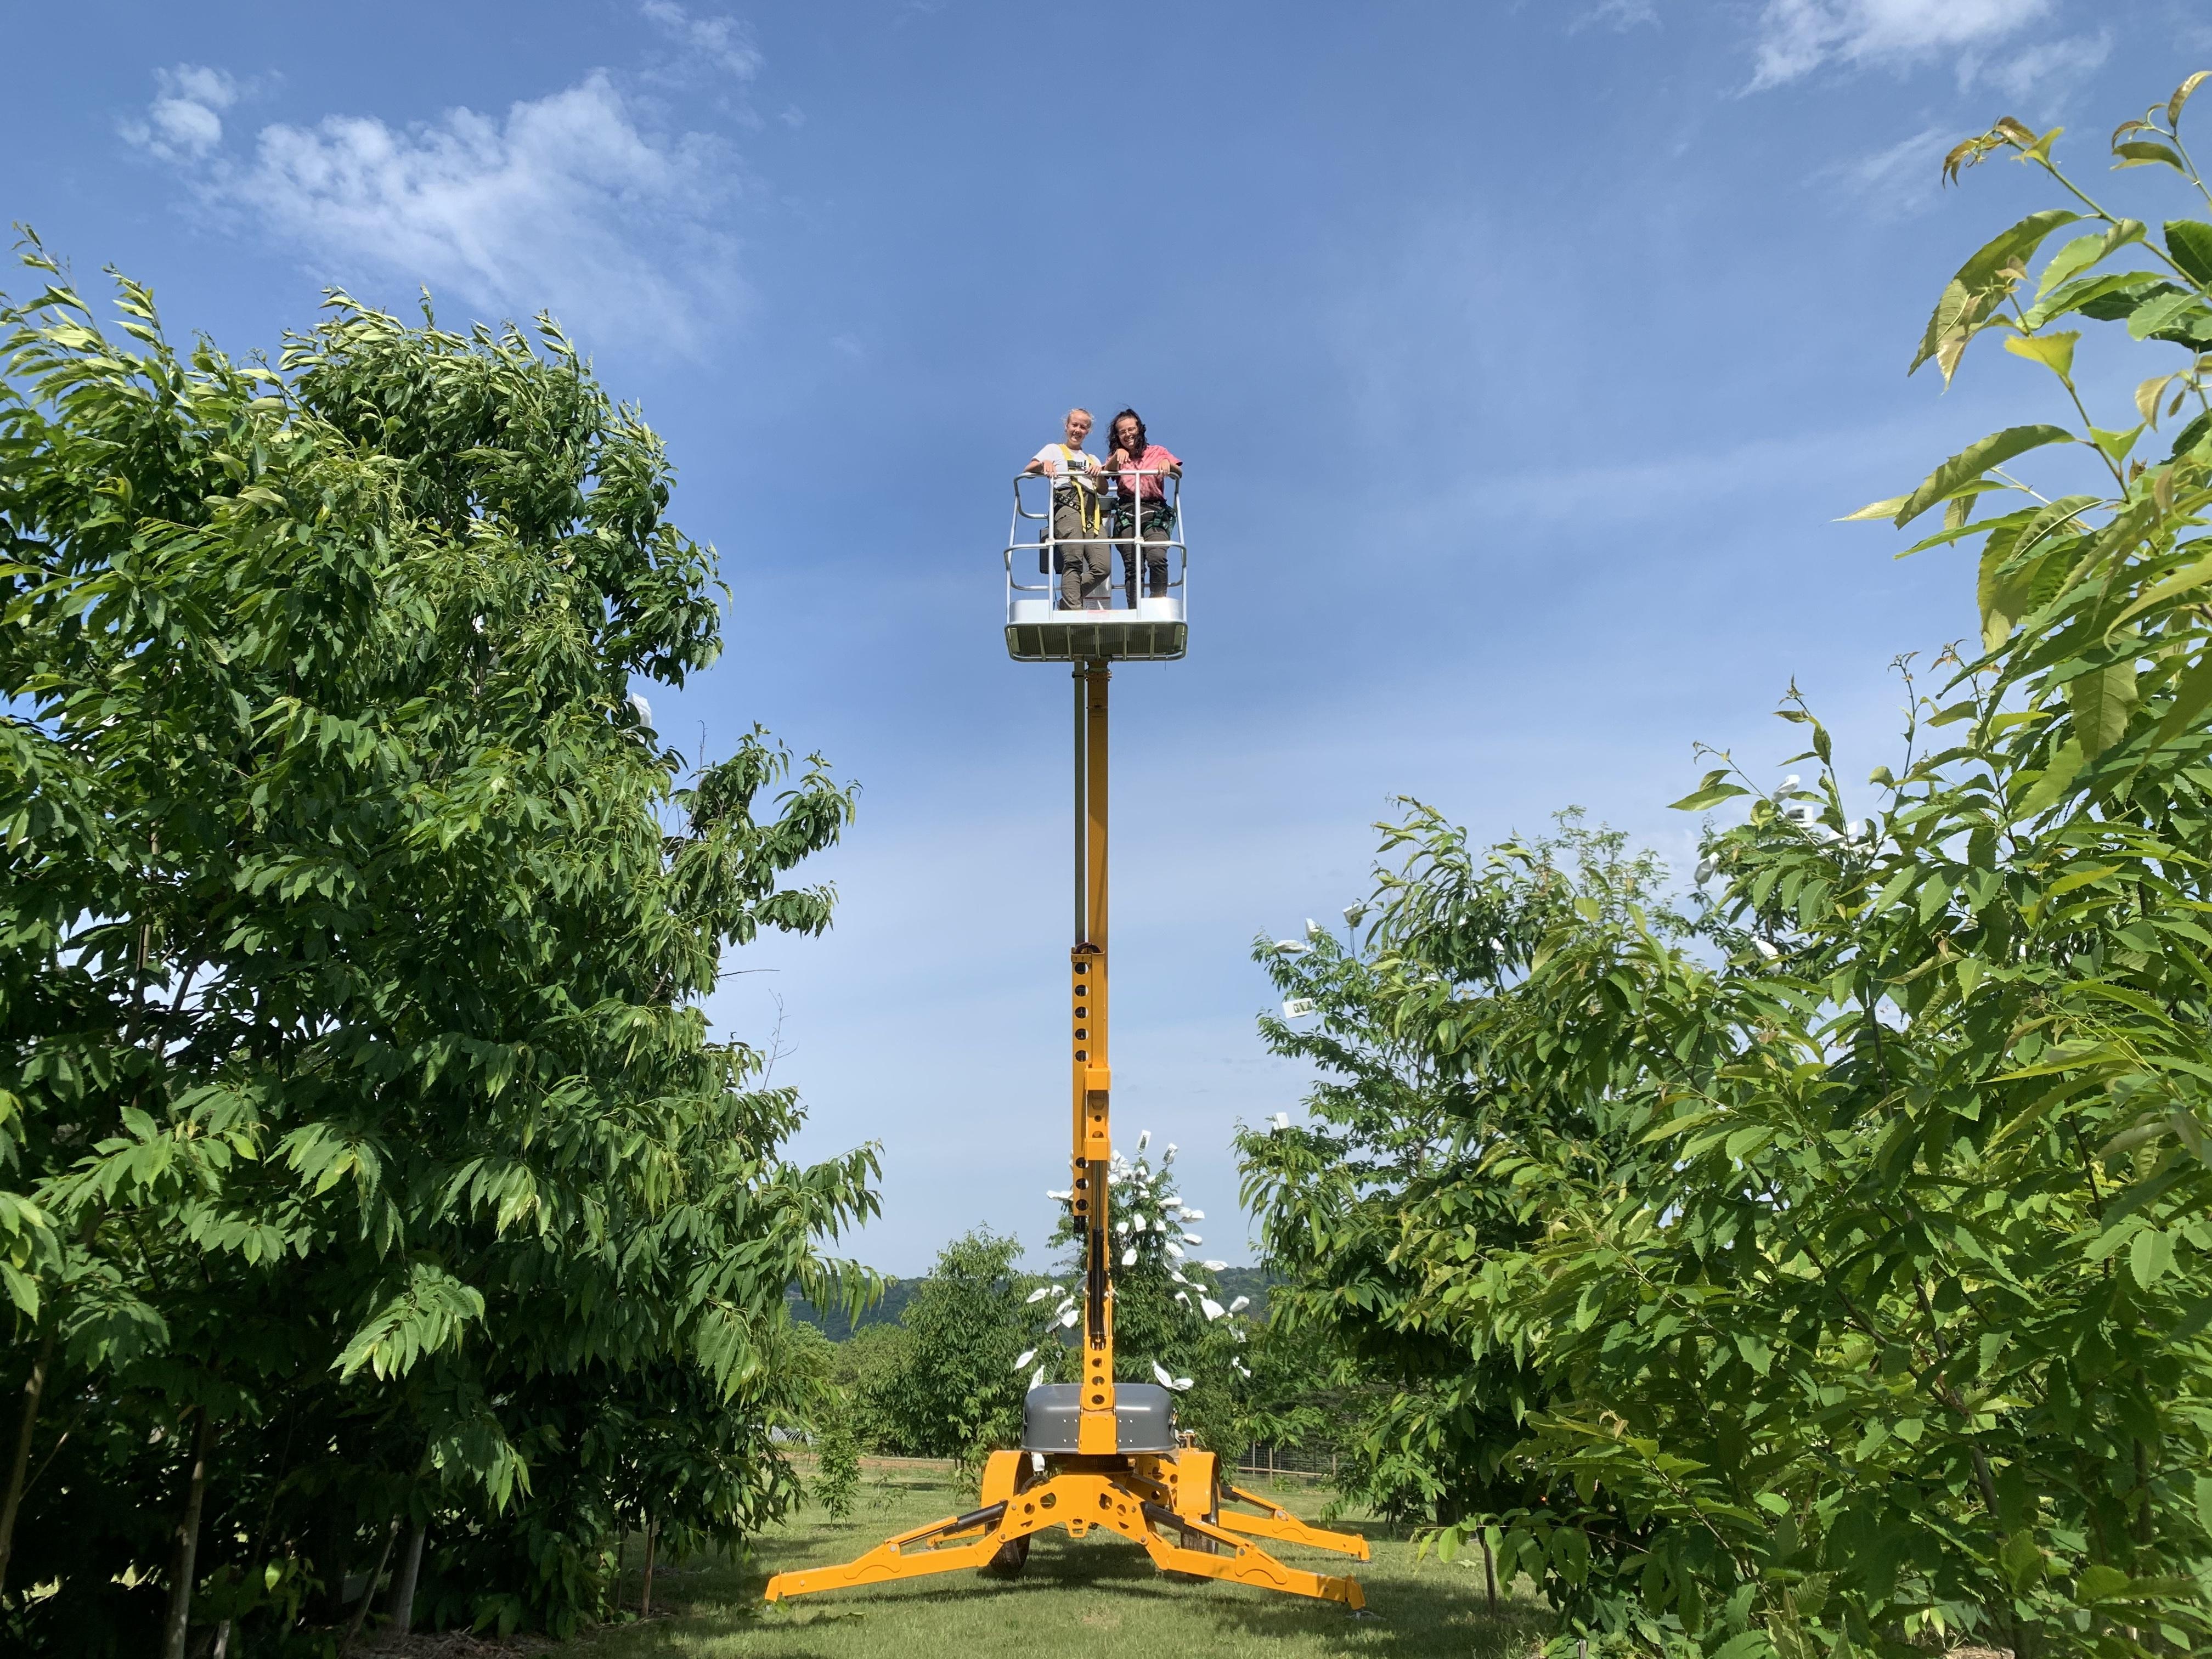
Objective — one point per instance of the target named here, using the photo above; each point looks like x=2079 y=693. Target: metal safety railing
x=1109 y=568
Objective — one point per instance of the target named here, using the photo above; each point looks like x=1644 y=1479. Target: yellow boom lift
x=1098 y=1453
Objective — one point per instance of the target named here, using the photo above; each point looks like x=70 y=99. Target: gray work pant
x=1087 y=566
x=1151 y=540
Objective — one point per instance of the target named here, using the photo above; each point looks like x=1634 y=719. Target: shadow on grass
x=1097 y=1587
x=1102 y=1595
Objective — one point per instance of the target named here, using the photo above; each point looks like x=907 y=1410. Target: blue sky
x=1522 y=357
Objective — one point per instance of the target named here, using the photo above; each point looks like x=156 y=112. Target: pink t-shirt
x=1155 y=460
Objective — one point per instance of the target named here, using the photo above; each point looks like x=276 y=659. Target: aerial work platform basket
x=1129 y=622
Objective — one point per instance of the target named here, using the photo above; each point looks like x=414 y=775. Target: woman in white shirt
x=1079 y=551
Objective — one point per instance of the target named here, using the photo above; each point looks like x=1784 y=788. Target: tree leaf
x=1974 y=460
x=1970 y=299
x=2195 y=575
x=2174 y=108
x=1713 y=792
x=2054 y=351
x=2190 y=243
x=2150 y=394
x=2114 y=444
x=2057 y=778
x=2091 y=295
x=2150 y=1253
x=2102 y=701
x=2142 y=152
x=2162 y=312
x=2001 y=590
x=2099 y=1583
x=1876 y=510
x=2192 y=696
x=2085 y=252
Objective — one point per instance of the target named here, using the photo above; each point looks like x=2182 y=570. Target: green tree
x=957 y=1391
x=1170 y=1324
x=1401 y=1121
x=369 y=1162
x=867 y=1368
x=1861 y=1291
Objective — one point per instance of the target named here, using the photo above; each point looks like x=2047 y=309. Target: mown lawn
x=1101 y=1596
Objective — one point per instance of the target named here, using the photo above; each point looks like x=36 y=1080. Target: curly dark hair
x=1127 y=415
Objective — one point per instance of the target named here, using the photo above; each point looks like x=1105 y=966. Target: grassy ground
x=1101 y=1596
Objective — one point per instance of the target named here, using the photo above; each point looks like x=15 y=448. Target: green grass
x=1101 y=1596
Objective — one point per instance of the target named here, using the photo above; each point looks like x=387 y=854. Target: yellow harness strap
x=1086 y=498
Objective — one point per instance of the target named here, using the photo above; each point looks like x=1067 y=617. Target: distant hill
x=898 y=1292
x=1254 y=1282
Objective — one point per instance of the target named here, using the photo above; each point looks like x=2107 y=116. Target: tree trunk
x=1489 y=1573
x=257 y=1552
x=401 y=1606
x=184 y=1562
x=369 y=1590
x=34 y=1387
x=652 y=1538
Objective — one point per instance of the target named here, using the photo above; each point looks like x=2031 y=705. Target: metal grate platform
x=1095 y=636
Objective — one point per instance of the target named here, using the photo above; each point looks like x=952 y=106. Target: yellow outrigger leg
x=1099 y=1454
x=1142 y=1498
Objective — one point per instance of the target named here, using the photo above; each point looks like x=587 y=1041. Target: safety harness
x=1086 y=496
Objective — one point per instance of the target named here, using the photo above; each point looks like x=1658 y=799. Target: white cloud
x=185 y=121
x=1796 y=37
x=567 y=203
x=722 y=41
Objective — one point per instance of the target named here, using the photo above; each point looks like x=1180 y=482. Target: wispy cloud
x=1796 y=37
x=1899 y=179
x=1617 y=15
x=2055 y=62
x=723 y=42
x=570 y=203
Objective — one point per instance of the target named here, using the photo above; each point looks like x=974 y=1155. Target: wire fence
x=1288 y=1460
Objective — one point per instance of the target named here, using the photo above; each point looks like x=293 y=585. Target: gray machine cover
x=1144 y=1417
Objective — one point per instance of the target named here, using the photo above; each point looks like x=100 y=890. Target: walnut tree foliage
x=366 y=1160
x=1169 y=1327
x=952 y=1388
x=1829 y=1271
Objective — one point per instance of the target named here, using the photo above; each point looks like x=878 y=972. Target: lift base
x=1142 y=1498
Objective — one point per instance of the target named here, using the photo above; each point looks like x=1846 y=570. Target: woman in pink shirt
x=1139 y=470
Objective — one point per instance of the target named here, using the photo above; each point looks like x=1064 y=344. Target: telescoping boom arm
x=1092 y=1071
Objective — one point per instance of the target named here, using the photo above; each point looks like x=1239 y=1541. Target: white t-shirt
x=1057 y=459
